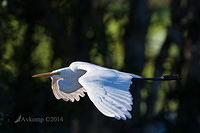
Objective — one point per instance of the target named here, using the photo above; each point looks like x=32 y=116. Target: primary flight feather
x=107 y=88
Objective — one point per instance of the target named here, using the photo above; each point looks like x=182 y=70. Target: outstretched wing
x=108 y=89
x=59 y=94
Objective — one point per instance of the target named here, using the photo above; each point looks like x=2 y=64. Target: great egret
x=108 y=89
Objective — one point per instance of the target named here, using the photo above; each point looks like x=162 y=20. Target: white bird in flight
x=107 y=88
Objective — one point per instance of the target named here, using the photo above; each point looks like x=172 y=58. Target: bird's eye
x=56 y=73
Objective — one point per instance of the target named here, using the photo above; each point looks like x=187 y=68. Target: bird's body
x=107 y=88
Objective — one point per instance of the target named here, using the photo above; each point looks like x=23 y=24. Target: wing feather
x=108 y=89
x=66 y=96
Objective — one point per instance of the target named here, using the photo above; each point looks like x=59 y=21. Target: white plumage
x=108 y=89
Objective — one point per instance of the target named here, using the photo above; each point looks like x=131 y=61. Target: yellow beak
x=43 y=75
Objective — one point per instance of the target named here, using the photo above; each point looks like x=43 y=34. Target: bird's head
x=60 y=73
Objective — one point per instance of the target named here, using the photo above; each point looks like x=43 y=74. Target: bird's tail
x=162 y=78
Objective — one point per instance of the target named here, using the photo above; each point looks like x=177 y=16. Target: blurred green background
x=145 y=37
